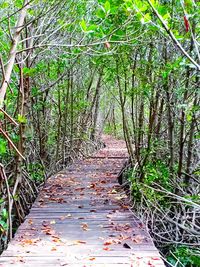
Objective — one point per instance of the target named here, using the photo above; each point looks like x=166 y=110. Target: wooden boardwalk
x=81 y=218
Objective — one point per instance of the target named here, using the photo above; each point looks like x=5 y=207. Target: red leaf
x=107 y=243
x=106 y=248
x=186 y=22
x=155 y=259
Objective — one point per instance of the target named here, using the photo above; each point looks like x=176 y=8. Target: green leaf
x=100 y=13
x=4 y=5
x=4 y=214
x=165 y=74
x=146 y=18
x=3 y=146
x=29 y=71
x=21 y=119
x=3 y=225
x=83 y=25
x=107 y=6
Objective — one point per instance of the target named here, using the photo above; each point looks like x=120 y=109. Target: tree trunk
x=13 y=51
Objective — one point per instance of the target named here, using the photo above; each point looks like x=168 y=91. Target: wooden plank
x=72 y=259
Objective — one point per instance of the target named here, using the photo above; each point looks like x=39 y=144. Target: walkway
x=81 y=218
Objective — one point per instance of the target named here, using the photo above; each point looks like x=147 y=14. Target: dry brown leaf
x=84 y=226
x=138 y=239
x=80 y=242
x=93 y=210
x=92 y=258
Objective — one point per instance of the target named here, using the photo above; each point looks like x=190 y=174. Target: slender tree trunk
x=160 y=116
x=125 y=126
x=96 y=109
x=71 y=110
x=191 y=138
x=169 y=105
x=66 y=94
x=13 y=51
x=182 y=117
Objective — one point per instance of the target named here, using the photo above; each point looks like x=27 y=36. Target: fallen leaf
x=106 y=248
x=45 y=224
x=18 y=259
x=107 y=243
x=29 y=241
x=80 y=242
x=56 y=239
x=138 y=239
x=92 y=185
x=22 y=260
x=58 y=200
x=79 y=188
x=92 y=258
x=155 y=258
x=125 y=245
x=150 y=264
x=84 y=226
x=93 y=211
x=64 y=264
x=49 y=232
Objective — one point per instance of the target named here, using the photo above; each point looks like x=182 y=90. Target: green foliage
x=3 y=146
x=21 y=119
x=83 y=25
x=3 y=220
x=154 y=172
x=187 y=257
x=36 y=171
x=29 y=71
x=157 y=171
x=116 y=130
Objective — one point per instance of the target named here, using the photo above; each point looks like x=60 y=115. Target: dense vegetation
x=72 y=69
